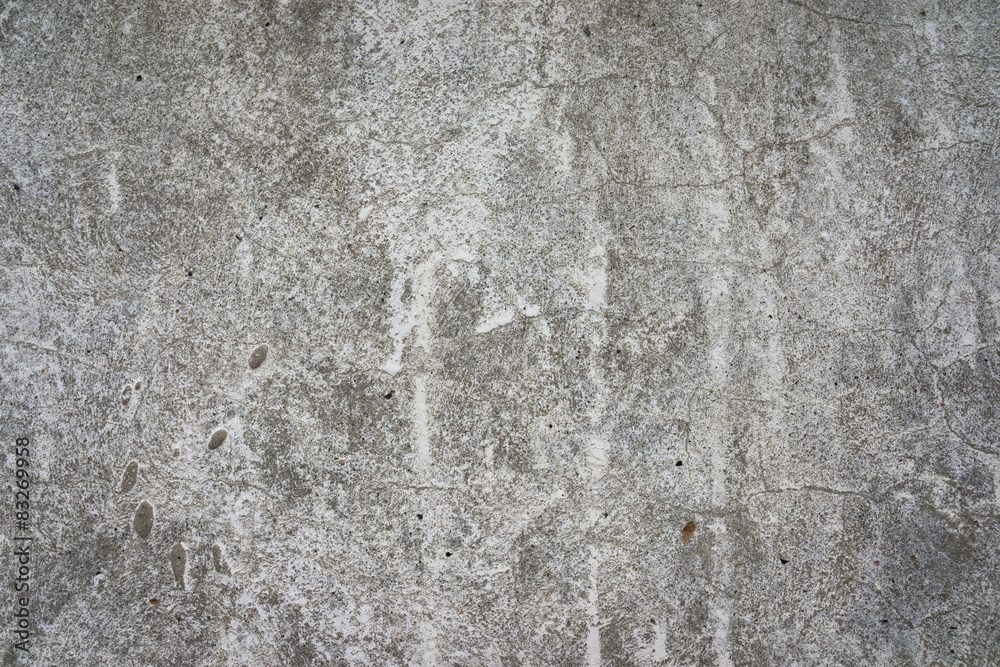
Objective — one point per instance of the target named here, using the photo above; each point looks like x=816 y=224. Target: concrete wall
x=598 y=333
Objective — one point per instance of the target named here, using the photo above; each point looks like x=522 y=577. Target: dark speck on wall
x=258 y=356
x=217 y=439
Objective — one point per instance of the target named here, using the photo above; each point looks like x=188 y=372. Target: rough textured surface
x=616 y=333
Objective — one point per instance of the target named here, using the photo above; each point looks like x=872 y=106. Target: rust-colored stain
x=154 y=602
x=688 y=531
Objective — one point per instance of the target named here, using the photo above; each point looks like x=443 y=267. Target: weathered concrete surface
x=597 y=333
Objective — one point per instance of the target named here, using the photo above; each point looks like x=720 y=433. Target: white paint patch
x=404 y=319
x=719 y=311
x=244 y=259
x=463 y=255
x=720 y=639
x=596 y=278
x=421 y=427
x=841 y=93
x=422 y=302
x=597 y=456
x=393 y=366
x=365 y=212
x=403 y=322
x=428 y=648
x=563 y=146
x=529 y=309
x=657 y=649
x=594 y=619
x=502 y=318
x=114 y=191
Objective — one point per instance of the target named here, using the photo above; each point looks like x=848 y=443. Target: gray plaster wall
x=598 y=333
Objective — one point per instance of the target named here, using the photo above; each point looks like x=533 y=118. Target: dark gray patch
x=130 y=476
x=142 y=523
x=178 y=561
x=126 y=395
x=219 y=558
x=218 y=438
x=258 y=356
x=138 y=385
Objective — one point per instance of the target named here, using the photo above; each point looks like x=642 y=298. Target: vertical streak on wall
x=593 y=616
x=114 y=189
x=719 y=312
x=428 y=650
x=422 y=301
x=421 y=316
x=421 y=428
x=844 y=101
x=595 y=282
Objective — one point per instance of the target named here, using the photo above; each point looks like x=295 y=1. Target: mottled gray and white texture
x=597 y=333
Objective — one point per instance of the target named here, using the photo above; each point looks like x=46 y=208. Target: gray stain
x=142 y=522
x=218 y=438
x=258 y=356
x=178 y=562
x=130 y=476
